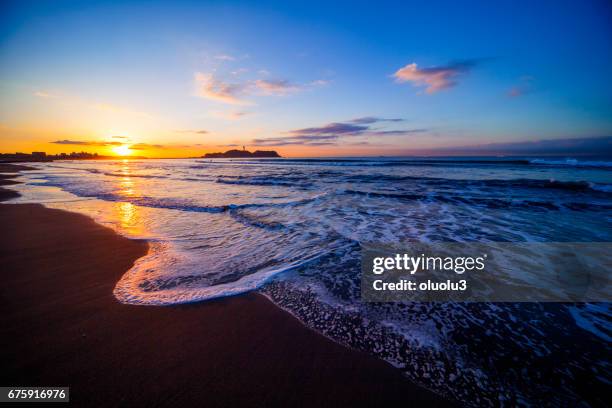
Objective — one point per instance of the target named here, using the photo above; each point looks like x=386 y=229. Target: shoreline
x=62 y=326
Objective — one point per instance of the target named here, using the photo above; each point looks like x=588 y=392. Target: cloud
x=135 y=146
x=515 y=92
x=145 y=146
x=196 y=131
x=119 y=137
x=334 y=129
x=224 y=57
x=275 y=87
x=212 y=88
x=302 y=139
x=100 y=106
x=229 y=115
x=586 y=146
x=434 y=79
x=397 y=132
x=373 y=119
x=45 y=95
x=85 y=143
x=320 y=82
x=239 y=71
x=209 y=86
x=275 y=141
x=332 y=133
x=107 y=107
x=524 y=87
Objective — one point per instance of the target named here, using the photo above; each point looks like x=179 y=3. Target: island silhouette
x=235 y=153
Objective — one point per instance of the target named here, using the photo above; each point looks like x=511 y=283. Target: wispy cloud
x=132 y=146
x=45 y=95
x=434 y=79
x=320 y=82
x=366 y=120
x=239 y=71
x=524 y=86
x=99 y=106
x=193 y=131
x=288 y=141
x=331 y=129
x=85 y=143
x=146 y=146
x=275 y=87
x=332 y=133
x=224 y=57
x=558 y=147
x=401 y=132
x=209 y=87
x=229 y=115
x=107 y=107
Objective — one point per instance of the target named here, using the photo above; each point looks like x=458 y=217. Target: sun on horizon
x=122 y=150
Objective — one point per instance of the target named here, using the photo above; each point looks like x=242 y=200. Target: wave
x=548 y=184
x=606 y=188
x=492 y=203
x=463 y=183
x=262 y=181
x=389 y=161
x=572 y=162
x=134 y=287
x=375 y=162
x=176 y=203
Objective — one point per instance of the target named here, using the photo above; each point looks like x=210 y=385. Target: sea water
x=292 y=229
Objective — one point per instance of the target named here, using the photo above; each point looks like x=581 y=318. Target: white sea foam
x=573 y=162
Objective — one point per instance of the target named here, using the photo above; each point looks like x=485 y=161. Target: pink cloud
x=229 y=115
x=212 y=88
x=278 y=87
x=524 y=87
x=433 y=79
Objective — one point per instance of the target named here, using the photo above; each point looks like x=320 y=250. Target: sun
x=122 y=150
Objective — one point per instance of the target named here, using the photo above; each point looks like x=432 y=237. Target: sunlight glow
x=122 y=150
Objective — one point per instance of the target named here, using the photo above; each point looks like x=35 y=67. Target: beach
x=62 y=326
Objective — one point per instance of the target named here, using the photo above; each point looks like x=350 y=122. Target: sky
x=180 y=79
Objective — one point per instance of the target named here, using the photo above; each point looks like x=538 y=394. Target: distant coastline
x=43 y=157
x=235 y=154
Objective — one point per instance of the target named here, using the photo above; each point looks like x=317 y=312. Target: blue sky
x=299 y=76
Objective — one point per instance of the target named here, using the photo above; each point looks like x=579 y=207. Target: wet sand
x=60 y=325
x=7 y=173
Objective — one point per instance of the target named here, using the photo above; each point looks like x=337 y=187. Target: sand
x=60 y=325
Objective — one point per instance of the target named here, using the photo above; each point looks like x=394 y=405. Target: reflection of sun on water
x=126 y=185
x=128 y=213
x=129 y=217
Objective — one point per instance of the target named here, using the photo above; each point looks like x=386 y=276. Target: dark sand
x=60 y=325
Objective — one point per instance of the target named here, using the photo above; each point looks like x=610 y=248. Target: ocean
x=292 y=229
